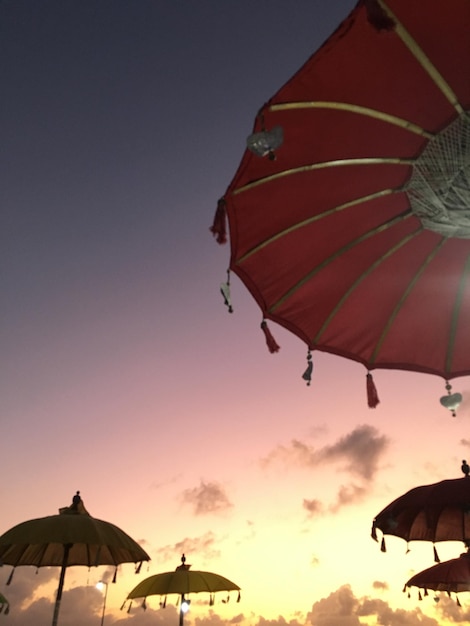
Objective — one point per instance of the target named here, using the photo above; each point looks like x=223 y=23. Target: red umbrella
x=349 y=213
x=436 y=512
x=451 y=576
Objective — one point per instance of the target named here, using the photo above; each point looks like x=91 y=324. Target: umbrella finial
x=465 y=467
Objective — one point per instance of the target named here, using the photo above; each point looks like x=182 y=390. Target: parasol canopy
x=183 y=581
x=73 y=537
x=434 y=513
x=349 y=214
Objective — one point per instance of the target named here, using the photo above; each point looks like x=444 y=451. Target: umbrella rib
x=323 y=165
x=404 y=296
x=354 y=108
x=423 y=59
x=378 y=229
x=455 y=315
x=315 y=218
x=364 y=275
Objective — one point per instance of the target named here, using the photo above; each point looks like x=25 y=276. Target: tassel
x=130 y=607
x=144 y=604
x=211 y=600
x=404 y=588
x=225 y=291
x=436 y=557
x=307 y=375
x=239 y=596
x=219 y=226
x=457 y=600
x=115 y=575
x=420 y=597
x=383 y=547
x=138 y=568
x=373 y=533
x=10 y=577
x=377 y=16
x=409 y=594
x=164 y=603
x=372 y=396
x=270 y=341
x=123 y=605
x=426 y=592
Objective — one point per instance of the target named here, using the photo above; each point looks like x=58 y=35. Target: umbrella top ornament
x=73 y=537
x=349 y=214
x=182 y=581
x=433 y=513
x=451 y=576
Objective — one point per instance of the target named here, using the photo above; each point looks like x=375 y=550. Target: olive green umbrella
x=183 y=581
x=73 y=537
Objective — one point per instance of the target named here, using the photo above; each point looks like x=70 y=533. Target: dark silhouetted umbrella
x=349 y=214
x=182 y=582
x=450 y=576
x=71 y=538
x=434 y=513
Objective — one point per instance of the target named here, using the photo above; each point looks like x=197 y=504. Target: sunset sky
x=123 y=375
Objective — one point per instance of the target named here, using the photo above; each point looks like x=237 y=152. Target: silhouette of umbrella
x=434 y=513
x=71 y=538
x=182 y=582
x=451 y=576
x=349 y=214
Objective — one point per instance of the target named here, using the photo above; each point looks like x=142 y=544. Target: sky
x=123 y=376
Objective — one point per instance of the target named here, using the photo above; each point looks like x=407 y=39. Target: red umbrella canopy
x=349 y=213
x=436 y=512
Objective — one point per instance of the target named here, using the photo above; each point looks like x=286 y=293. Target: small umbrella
x=4 y=605
x=451 y=576
x=182 y=581
x=73 y=537
x=436 y=512
x=349 y=214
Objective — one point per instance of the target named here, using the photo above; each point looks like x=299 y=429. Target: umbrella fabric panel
x=182 y=582
x=449 y=46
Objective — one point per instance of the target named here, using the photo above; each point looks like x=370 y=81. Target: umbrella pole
x=181 y=611
x=61 y=584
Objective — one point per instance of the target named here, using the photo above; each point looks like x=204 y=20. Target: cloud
x=203 y=546
x=313 y=507
x=348 y=495
x=360 y=450
x=451 y=611
x=206 y=498
x=380 y=585
x=342 y=608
